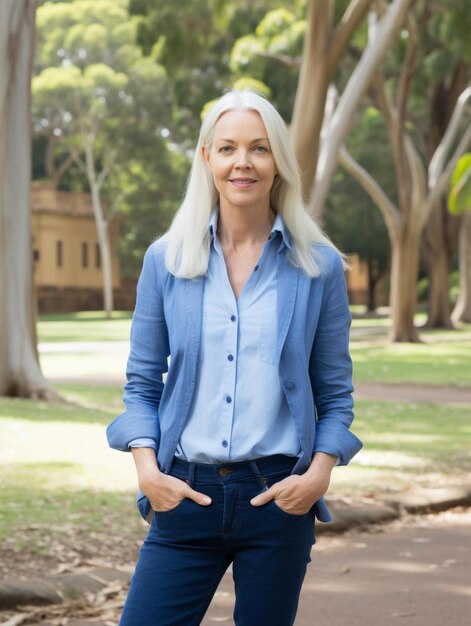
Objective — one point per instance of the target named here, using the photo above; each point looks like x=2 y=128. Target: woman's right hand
x=164 y=492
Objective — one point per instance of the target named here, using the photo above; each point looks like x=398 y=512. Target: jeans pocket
x=287 y=513
x=173 y=510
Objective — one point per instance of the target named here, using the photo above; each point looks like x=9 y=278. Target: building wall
x=72 y=232
x=70 y=278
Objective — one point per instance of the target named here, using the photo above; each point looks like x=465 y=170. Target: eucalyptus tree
x=422 y=177
x=442 y=73
x=20 y=373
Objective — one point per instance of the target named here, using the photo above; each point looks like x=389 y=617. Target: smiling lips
x=242 y=183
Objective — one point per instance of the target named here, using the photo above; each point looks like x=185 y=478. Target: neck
x=241 y=226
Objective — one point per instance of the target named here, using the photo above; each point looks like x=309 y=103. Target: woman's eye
x=260 y=149
x=225 y=149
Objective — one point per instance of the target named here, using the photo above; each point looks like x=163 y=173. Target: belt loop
x=191 y=474
x=258 y=476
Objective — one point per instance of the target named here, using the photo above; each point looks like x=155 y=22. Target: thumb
x=264 y=497
x=199 y=498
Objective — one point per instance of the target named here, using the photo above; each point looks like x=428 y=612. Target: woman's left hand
x=295 y=494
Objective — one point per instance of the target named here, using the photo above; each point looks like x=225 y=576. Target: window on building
x=36 y=256
x=59 y=253
x=84 y=254
x=97 y=256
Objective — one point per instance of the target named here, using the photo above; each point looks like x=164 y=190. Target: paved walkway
x=403 y=392
x=415 y=575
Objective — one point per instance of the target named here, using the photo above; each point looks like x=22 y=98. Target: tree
x=459 y=203
x=420 y=187
x=351 y=218
x=192 y=40
x=86 y=107
x=20 y=373
x=318 y=137
x=442 y=74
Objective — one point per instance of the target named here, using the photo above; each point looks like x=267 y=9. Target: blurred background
x=100 y=105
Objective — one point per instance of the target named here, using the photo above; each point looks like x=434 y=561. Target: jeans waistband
x=221 y=473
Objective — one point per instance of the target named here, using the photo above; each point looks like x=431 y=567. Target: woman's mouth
x=242 y=183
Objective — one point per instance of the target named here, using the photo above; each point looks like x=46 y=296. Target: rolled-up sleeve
x=330 y=369
x=147 y=360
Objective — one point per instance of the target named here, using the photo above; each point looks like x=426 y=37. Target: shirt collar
x=278 y=227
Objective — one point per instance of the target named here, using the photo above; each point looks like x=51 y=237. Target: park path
x=415 y=575
x=414 y=572
x=403 y=392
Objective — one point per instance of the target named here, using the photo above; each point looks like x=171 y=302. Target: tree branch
x=353 y=93
x=285 y=59
x=407 y=71
x=416 y=175
x=444 y=178
x=105 y=171
x=388 y=210
x=437 y=162
x=354 y=14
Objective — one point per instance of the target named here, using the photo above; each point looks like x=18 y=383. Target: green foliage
x=92 y=80
x=459 y=199
x=193 y=39
x=271 y=55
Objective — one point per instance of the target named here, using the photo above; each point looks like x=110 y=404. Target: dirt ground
x=416 y=570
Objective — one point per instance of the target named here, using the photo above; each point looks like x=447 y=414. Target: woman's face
x=241 y=161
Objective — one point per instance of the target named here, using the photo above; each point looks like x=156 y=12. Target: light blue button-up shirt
x=231 y=418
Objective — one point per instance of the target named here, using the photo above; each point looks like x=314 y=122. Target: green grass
x=84 y=326
x=444 y=358
x=39 y=496
x=406 y=445
x=56 y=467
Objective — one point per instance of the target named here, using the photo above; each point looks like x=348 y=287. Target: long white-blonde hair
x=188 y=237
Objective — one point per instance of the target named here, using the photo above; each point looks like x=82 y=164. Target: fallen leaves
x=103 y=608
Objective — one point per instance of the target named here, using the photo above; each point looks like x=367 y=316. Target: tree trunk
x=442 y=230
x=372 y=281
x=357 y=86
x=439 y=241
x=404 y=273
x=462 y=310
x=313 y=82
x=102 y=232
x=20 y=373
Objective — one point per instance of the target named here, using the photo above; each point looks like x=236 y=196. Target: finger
x=264 y=497
x=198 y=497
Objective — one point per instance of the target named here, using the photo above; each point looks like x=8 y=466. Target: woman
x=234 y=452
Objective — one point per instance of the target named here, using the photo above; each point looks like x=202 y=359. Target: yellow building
x=67 y=262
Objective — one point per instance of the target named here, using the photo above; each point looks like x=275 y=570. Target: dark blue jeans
x=188 y=549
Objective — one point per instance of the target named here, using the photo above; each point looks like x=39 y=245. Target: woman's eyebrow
x=232 y=141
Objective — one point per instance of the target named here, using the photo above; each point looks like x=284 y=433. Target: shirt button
x=230 y=357
x=224 y=443
x=289 y=384
x=233 y=318
x=228 y=399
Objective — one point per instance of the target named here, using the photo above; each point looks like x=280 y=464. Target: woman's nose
x=243 y=159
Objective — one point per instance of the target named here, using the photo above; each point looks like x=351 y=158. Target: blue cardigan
x=314 y=364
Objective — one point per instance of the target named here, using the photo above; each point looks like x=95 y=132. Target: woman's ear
x=205 y=153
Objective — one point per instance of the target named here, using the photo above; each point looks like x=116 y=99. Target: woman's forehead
x=237 y=122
